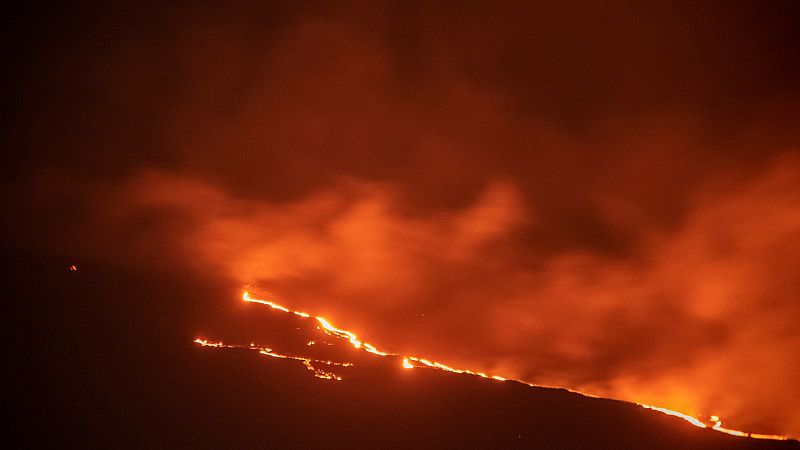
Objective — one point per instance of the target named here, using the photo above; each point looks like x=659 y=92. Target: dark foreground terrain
x=102 y=357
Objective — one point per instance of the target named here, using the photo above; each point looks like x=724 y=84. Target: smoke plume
x=602 y=200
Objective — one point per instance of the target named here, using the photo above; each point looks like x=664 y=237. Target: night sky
x=603 y=197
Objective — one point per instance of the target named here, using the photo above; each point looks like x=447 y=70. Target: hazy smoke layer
x=701 y=318
x=606 y=200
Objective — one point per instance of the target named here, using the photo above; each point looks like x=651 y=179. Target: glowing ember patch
x=73 y=268
x=408 y=363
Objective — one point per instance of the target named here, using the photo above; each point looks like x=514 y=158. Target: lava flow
x=308 y=362
x=411 y=362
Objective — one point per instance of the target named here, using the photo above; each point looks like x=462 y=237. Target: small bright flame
x=407 y=364
x=73 y=268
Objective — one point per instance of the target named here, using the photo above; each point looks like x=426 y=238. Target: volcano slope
x=103 y=356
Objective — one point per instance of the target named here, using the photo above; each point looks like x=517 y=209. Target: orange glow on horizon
x=411 y=362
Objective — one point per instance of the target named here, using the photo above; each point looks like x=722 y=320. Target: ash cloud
x=604 y=200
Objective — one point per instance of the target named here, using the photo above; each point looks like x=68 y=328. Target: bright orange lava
x=411 y=362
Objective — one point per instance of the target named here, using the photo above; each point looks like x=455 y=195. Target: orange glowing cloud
x=547 y=201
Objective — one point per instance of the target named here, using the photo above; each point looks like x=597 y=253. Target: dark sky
x=599 y=196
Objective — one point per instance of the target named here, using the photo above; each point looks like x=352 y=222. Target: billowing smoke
x=521 y=192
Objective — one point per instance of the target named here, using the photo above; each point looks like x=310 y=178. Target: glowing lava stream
x=411 y=362
x=319 y=373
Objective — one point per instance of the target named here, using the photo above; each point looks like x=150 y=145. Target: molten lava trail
x=307 y=362
x=412 y=362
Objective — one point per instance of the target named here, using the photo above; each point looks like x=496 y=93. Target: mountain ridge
x=103 y=356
